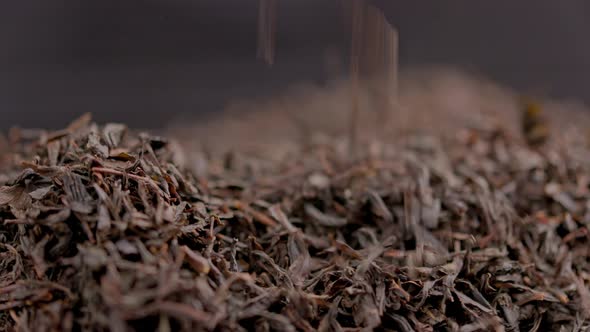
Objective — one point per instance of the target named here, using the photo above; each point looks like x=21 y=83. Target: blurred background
x=148 y=62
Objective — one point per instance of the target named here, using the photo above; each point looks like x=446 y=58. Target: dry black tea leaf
x=104 y=229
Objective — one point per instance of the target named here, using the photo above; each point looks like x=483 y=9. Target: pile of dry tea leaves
x=105 y=229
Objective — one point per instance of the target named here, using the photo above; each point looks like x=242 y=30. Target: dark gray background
x=145 y=61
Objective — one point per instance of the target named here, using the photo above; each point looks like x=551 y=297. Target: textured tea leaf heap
x=106 y=229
